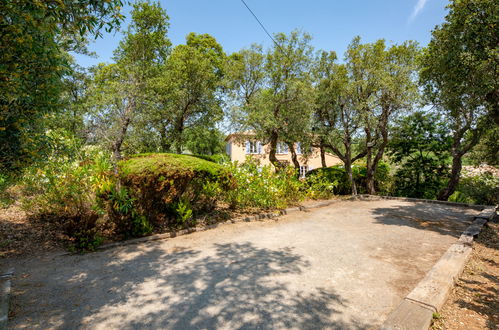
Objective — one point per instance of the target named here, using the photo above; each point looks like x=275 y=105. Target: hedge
x=159 y=182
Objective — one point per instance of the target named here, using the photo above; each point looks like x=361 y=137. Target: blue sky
x=332 y=23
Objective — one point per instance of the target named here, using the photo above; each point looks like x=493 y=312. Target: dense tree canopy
x=159 y=97
x=356 y=101
x=34 y=37
x=274 y=91
x=460 y=75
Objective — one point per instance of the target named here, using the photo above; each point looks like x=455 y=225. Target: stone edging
x=4 y=298
x=417 y=308
x=270 y=215
x=260 y=216
x=430 y=201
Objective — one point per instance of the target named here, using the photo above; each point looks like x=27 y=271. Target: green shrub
x=420 y=179
x=5 y=198
x=337 y=176
x=63 y=190
x=158 y=182
x=122 y=212
x=480 y=189
x=262 y=187
x=183 y=211
x=320 y=186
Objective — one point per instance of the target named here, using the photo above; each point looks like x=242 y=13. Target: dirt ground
x=20 y=236
x=345 y=266
x=474 y=302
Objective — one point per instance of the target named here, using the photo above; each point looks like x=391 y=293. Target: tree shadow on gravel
x=236 y=286
x=443 y=219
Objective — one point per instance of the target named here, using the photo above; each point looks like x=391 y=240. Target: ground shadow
x=443 y=219
x=237 y=286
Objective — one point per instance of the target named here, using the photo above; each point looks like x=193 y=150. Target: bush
x=123 y=213
x=63 y=189
x=337 y=176
x=321 y=186
x=159 y=182
x=478 y=189
x=262 y=187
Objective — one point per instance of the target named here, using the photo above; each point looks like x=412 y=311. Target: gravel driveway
x=343 y=266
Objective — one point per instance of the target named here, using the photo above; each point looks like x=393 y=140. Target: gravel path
x=343 y=266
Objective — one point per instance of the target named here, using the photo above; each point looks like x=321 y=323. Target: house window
x=298 y=148
x=253 y=147
x=303 y=171
x=281 y=148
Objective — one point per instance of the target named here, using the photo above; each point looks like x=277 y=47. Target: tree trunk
x=116 y=147
x=323 y=154
x=179 y=131
x=348 y=169
x=294 y=157
x=457 y=164
x=273 y=150
x=372 y=163
x=165 y=143
x=369 y=162
x=458 y=151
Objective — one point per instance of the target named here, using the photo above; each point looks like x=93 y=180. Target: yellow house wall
x=238 y=153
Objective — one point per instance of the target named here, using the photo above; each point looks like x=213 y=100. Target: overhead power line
x=263 y=27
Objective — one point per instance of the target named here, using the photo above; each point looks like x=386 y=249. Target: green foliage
x=84 y=233
x=459 y=76
x=183 y=211
x=217 y=158
x=261 y=186
x=122 y=211
x=479 y=189
x=5 y=197
x=320 y=185
x=338 y=178
x=355 y=101
x=204 y=141
x=272 y=91
x=34 y=37
x=120 y=94
x=186 y=98
x=158 y=182
x=487 y=149
x=459 y=66
x=420 y=145
x=63 y=189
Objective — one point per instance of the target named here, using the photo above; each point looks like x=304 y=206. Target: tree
x=187 y=90
x=73 y=103
x=203 y=140
x=121 y=90
x=420 y=144
x=395 y=91
x=274 y=92
x=337 y=122
x=459 y=76
x=487 y=150
x=356 y=101
x=33 y=62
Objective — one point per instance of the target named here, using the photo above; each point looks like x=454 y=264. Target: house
x=241 y=145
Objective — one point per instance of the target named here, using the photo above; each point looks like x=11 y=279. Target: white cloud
x=417 y=9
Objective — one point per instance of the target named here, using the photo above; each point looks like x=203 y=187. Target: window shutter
x=247 y=147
